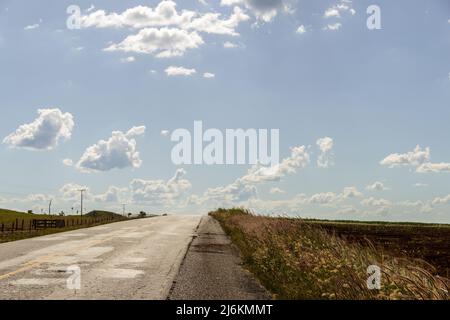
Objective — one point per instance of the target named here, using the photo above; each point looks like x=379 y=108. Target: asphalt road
x=136 y=259
x=212 y=269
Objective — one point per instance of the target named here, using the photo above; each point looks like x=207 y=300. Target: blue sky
x=376 y=94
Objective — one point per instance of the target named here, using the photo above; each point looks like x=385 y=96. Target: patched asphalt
x=212 y=269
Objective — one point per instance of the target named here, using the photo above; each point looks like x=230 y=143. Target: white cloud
x=325 y=159
x=32 y=27
x=347 y=210
x=44 y=133
x=276 y=190
x=244 y=188
x=209 y=75
x=434 y=167
x=165 y=14
x=350 y=192
x=301 y=29
x=332 y=12
x=420 y=184
x=160 y=192
x=128 y=59
x=376 y=186
x=336 y=11
x=441 y=200
x=374 y=202
x=179 y=71
x=112 y=195
x=230 y=45
x=165 y=133
x=264 y=10
x=333 y=26
x=163 y=43
x=413 y=158
x=211 y=23
x=71 y=192
x=68 y=162
x=91 y=8
x=418 y=158
x=423 y=207
x=118 y=152
x=298 y=159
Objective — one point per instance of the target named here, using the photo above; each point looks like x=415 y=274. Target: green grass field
x=10 y=218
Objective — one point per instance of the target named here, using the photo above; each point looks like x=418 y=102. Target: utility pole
x=123 y=212
x=50 y=207
x=81 y=208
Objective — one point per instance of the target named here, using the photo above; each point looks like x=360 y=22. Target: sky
x=90 y=101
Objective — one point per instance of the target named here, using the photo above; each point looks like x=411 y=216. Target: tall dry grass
x=298 y=260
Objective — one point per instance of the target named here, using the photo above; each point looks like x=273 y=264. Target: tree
x=142 y=214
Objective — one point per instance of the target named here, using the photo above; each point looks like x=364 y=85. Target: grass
x=297 y=259
x=8 y=217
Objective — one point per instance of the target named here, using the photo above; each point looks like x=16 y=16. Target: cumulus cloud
x=376 y=186
x=298 y=159
x=229 y=45
x=128 y=59
x=68 y=162
x=244 y=188
x=325 y=159
x=336 y=11
x=165 y=14
x=71 y=192
x=413 y=158
x=118 y=152
x=301 y=29
x=434 y=167
x=421 y=206
x=32 y=27
x=441 y=200
x=333 y=26
x=112 y=195
x=420 y=185
x=264 y=10
x=350 y=192
x=179 y=71
x=376 y=202
x=276 y=190
x=44 y=133
x=165 y=133
x=163 y=43
x=160 y=192
x=209 y=75
x=212 y=23
x=418 y=158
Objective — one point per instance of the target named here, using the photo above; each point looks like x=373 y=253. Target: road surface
x=136 y=259
x=212 y=269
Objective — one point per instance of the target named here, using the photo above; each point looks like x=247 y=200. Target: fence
x=34 y=225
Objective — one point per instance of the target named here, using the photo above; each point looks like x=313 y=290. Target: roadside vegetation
x=19 y=225
x=299 y=259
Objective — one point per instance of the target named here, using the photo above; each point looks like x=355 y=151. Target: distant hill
x=7 y=216
x=100 y=213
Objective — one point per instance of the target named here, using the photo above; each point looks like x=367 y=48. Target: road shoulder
x=212 y=269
